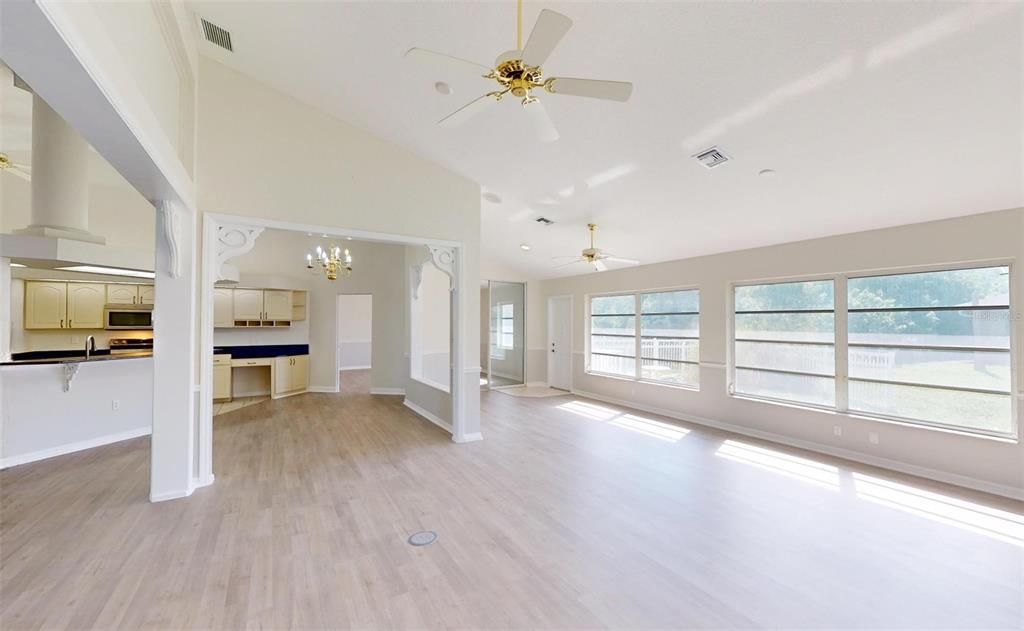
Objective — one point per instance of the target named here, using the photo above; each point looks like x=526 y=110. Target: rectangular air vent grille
x=712 y=157
x=544 y=221
x=216 y=35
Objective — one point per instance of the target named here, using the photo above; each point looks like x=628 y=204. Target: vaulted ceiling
x=870 y=114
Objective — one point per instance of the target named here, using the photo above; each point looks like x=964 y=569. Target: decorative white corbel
x=171 y=217
x=234 y=240
x=416 y=279
x=444 y=260
x=70 y=370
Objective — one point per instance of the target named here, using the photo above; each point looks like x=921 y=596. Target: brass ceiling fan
x=595 y=256
x=518 y=72
x=10 y=166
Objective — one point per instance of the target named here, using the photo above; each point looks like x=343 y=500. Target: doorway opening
x=355 y=342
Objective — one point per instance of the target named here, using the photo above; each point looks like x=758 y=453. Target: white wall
x=335 y=175
x=355 y=331
x=40 y=421
x=962 y=458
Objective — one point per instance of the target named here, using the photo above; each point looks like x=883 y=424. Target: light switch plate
x=115 y=404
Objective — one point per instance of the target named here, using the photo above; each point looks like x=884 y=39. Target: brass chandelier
x=330 y=262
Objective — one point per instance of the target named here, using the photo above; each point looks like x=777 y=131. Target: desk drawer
x=255 y=361
x=222 y=360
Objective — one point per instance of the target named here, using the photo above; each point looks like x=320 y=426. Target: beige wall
x=998 y=235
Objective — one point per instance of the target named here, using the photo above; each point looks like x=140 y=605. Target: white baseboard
x=430 y=416
x=537 y=384
x=327 y=389
x=838 y=452
x=52 y=452
x=388 y=391
x=344 y=368
x=198 y=483
x=468 y=438
x=171 y=495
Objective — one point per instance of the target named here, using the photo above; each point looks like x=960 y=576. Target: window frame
x=637 y=357
x=841 y=327
x=500 y=321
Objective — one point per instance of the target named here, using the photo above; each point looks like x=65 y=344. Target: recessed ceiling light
x=525 y=247
x=766 y=172
x=494 y=198
x=443 y=88
x=112 y=271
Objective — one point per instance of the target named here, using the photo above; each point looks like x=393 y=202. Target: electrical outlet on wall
x=115 y=404
x=873 y=438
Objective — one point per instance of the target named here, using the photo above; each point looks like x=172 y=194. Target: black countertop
x=269 y=350
x=65 y=356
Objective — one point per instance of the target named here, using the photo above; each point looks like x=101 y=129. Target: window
x=665 y=336
x=506 y=326
x=923 y=347
x=932 y=347
x=785 y=342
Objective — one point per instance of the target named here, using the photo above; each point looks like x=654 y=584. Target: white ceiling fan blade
x=541 y=121
x=619 y=259
x=467 y=111
x=550 y=28
x=446 y=62
x=592 y=88
x=17 y=171
x=572 y=262
x=599 y=265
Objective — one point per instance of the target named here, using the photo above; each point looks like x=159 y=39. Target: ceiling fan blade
x=592 y=88
x=467 y=111
x=17 y=171
x=572 y=262
x=550 y=28
x=541 y=121
x=599 y=265
x=446 y=62
x=617 y=259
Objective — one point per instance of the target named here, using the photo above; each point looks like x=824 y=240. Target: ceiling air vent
x=544 y=221
x=712 y=157
x=216 y=35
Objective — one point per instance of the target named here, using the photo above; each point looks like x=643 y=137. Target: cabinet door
x=282 y=375
x=248 y=304
x=277 y=304
x=222 y=382
x=223 y=307
x=122 y=294
x=46 y=305
x=85 y=305
x=147 y=294
x=300 y=372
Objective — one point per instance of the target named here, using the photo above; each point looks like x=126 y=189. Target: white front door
x=559 y=348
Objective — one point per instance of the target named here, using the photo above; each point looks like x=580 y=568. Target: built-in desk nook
x=278 y=370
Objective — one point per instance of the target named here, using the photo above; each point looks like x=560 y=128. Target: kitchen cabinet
x=291 y=375
x=277 y=304
x=122 y=294
x=248 y=304
x=221 y=377
x=46 y=304
x=147 y=294
x=223 y=307
x=85 y=305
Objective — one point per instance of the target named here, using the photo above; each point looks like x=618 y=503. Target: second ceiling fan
x=518 y=72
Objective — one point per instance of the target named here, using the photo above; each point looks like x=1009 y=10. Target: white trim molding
x=234 y=240
x=323 y=389
x=427 y=414
x=170 y=213
x=468 y=438
x=399 y=392
x=53 y=452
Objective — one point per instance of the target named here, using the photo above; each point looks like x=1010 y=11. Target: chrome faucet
x=90 y=346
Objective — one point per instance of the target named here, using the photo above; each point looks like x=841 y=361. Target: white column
x=172 y=469
x=60 y=178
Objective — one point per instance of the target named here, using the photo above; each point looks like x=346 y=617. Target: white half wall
x=355 y=331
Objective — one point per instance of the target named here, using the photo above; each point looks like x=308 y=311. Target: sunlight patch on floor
x=817 y=473
x=638 y=424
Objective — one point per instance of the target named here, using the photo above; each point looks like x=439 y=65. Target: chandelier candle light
x=330 y=262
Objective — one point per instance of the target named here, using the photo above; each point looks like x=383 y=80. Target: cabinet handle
x=62 y=323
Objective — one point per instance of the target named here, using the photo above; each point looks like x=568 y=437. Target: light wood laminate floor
x=570 y=513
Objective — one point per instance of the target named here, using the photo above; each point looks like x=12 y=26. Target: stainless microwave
x=128 y=317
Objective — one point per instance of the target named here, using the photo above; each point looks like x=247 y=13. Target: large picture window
x=650 y=336
x=785 y=341
x=933 y=347
x=927 y=347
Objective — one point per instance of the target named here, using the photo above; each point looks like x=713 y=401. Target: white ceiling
x=872 y=114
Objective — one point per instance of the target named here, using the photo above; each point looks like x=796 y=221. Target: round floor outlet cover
x=423 y=538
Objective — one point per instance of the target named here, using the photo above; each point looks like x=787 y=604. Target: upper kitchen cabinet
x=248 y=304
x=223 y=307
x=277 y=304
x=46 y=305
x=126 y=294
x=85 y=305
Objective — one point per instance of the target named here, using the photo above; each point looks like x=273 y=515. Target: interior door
x=85 y=305
x=560 y=342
